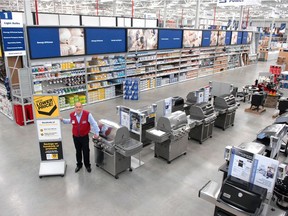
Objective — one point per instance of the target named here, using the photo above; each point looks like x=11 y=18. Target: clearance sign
x=46 y=106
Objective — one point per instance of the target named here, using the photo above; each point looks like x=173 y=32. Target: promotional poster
x=142 y=39
x=192 y=38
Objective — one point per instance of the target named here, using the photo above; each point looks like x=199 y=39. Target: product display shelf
x=189 y=64
x=5 y=104
x=105 y=74
x=58 y=77
x=141 y=65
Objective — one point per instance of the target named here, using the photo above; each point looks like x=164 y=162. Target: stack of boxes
x=110 y=92
x=284 y=81
x=131 y=88
x=276 y=71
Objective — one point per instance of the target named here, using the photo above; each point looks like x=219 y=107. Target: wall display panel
x=234 y=38
x=170 y=39
x=228 y=37
x=214 y=38
x=206 y=37
x=192 y=38
x=142 y=39
x=43 y=42
x=55 y=42
x=108 y=21
x=105 y=40
x=249 y=37
x=90 y=21
x=239 y=38
x=244 y=37
x=123 y=22
x=222 y=38
x=71 y=41
x=151 y=23
x=48 y=19
x=138 y=22
x=69 y=20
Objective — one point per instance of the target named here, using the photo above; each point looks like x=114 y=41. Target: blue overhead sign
x=170 y=39
x=239 y=38
x=43 y=42
x=206 y=35
x=244 y=37
x=228 y=37
x=105 y=40
x=6 y=15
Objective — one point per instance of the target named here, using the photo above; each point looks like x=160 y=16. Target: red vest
x=83 y=127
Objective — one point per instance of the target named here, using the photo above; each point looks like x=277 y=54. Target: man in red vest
x=82 y=121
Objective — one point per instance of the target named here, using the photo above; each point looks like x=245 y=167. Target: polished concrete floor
x=156 y=188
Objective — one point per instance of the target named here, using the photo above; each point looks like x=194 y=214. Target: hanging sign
x=237 y=2
x=12 y=34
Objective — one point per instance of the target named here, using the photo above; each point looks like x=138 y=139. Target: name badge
x=84 y=122
x=73 y=122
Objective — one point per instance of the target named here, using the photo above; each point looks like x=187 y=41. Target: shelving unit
x=98 y=78
x=105 y=75
x=142 y=65
x=6 y=107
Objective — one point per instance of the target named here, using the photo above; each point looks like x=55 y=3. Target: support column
x=241 y=18
x=165 y=13
x=270 y=36
x=114 y=8
x=197 y=14
x=28 y=13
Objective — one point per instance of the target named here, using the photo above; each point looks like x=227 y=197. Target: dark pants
x=82 y=145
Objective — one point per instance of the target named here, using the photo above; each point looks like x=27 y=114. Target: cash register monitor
x=242 y=195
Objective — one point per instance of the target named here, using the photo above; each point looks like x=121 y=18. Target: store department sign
x=46 y=106
x=12 y=34
x=237 y=2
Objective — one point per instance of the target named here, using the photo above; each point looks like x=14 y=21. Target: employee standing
x=82 y=121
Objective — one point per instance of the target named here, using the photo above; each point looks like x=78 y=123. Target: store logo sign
x=46 y=106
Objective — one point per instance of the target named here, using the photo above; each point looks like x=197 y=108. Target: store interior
x=191 y=97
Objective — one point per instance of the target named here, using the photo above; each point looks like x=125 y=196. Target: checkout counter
x=204 y=116
x=114 y=149
x=170 y=136
x=226 y=107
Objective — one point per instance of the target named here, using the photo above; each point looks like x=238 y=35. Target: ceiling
x=176 y=9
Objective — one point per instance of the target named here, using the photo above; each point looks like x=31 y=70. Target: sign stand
x=46 y=112
x=52 y=168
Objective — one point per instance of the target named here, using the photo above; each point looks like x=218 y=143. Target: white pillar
x=241 y=18
x=114 y=8
x=270 y=36
x=165 y=14
x=197 y=14
x=27 y=13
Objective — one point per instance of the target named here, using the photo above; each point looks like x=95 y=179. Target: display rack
x=67 y=78
x=6 y=107
x=21 y=95
x=96 y=78
x=105 y=75
x=142 y=65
